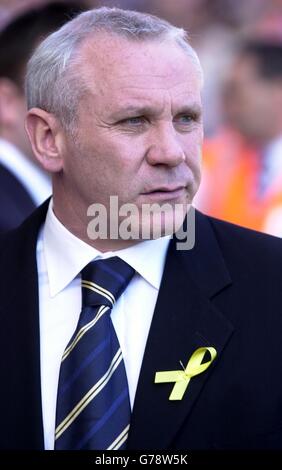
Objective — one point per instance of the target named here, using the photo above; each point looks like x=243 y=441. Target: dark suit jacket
x=15 y=202
x=225 y=293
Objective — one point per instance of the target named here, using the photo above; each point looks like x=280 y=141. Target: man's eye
x=134 y=121
x=185 y=119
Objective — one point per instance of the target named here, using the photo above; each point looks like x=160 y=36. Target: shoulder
x=231 y=235
x=244 y=247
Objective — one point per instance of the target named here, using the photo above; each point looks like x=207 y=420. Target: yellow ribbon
x=183 y=377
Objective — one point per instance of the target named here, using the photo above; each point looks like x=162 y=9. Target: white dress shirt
x=60 y=257
x=35 y=181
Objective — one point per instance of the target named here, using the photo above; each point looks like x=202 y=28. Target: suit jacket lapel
x=184 y=320
x=21 y=415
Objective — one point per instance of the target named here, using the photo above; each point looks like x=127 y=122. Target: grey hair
x=54 y=84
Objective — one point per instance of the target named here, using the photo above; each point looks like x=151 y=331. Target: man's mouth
x=165 y=192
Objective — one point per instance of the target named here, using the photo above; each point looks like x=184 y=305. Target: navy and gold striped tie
x=93 y=408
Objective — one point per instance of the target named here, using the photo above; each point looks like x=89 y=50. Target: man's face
x=251 y=103
x=139 y=130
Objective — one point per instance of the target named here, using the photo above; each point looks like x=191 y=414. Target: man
x=23 y=184
x=115 y=110
x=245 y=157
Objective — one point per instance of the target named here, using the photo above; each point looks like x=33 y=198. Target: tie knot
x=103 y=281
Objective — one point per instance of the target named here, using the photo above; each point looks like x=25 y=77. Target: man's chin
x=160 y=223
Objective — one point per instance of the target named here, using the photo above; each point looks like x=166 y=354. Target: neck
x=79 y=226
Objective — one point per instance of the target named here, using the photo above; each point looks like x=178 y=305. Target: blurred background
x=240 y=48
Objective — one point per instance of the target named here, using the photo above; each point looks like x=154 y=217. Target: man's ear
x=46 y=138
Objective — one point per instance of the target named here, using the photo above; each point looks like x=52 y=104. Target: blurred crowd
x=240 y=48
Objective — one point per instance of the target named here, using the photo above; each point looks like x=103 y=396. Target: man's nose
x=165 y=147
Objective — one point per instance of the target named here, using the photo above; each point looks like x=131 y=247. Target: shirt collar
x=66 y=255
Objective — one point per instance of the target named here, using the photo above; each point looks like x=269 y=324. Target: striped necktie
x=93 y=408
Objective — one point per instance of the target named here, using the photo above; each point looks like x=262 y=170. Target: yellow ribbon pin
x=183 y=377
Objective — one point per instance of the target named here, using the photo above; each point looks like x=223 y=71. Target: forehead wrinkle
x=138 y=77
x=172 y=91
x=141 y=79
